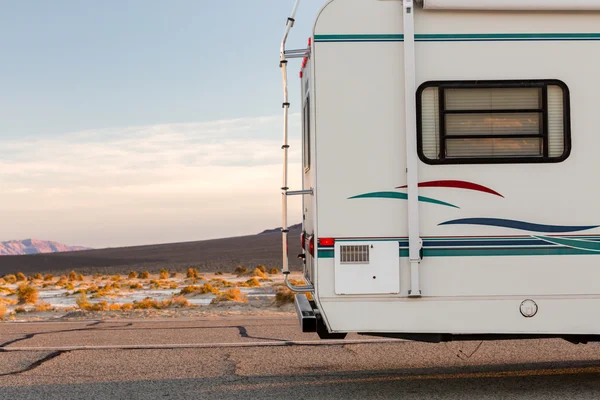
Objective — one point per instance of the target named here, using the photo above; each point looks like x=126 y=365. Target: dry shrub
x=108 y=289
x=233 y=294
x=2 y=281
x=253 y=282
x=262 y=268
x=295 y=282
x=259 y=272
x=20 y=310
x=284 y=296
x=136 y=286
x=4 y=300
x=101 y=306
x=37 y=276
x=144 y=275
x=220 y=282
x=82 y=301
x=6 y=290
x=148 y=303
x=97 y=275
x=43 y=307
x=132 y=275
x=69 y=286
x=164 y=274
x=79 y=291
x=10 y=278
x=179 y=301
x=27 y=294
x=115 y=307
x=273 y=271
x=48 y=277
x=80 y=277
x=218 y=273
x=115 y=278
x=21 y=277
x=192 y=273
x=72 y=276
x=173 y=285
x=189 y=290
x=126 y=307
x=3 y=311
x=239 y=270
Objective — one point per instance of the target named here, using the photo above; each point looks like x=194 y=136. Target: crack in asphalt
x=89 y=327
x=37 y=363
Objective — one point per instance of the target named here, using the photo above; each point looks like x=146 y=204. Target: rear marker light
x=326 y=242
x=311 y=246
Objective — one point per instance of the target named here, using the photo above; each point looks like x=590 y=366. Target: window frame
x=495 y=84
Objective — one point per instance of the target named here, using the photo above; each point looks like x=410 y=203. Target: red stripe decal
x=457 y=185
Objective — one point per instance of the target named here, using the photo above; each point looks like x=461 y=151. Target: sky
x=128 y=122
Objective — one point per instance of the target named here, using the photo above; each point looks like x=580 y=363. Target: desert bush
x=2 y=281
x=72 y=276
x=239 y=270
x=10 y=278
x=48 y=277
x=148 y=303
x=273 y=271
x=218 y=273
x=21 y=277
x=3 y=311
x=43 y=307
x=37 y=276
x=20 y=310
x=101 y=306
x=259 y=272
x=189 y=290
x=284 y=296
x=136 y=286
x=253 y=282
x=132 y=275
x=27 y=294
x=164 y=274
x=262 y=268
x=80 y=277
x=97 y=275
x=233 y=294
x=179 y=301
x=144 y=275
x=115 y=307
x=115 y=278
x=296 y=282
x=220 y=282
x=82 y=301
x=6 y=290
x=192 y=273
x=126 y=307
x=69 y=286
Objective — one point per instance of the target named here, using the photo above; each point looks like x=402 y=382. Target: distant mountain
x=34 y=246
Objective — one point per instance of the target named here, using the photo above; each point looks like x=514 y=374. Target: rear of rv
x=448 y=151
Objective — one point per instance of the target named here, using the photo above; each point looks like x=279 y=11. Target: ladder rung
x=299 y=192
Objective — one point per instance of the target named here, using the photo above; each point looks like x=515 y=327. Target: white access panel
x=367 y=267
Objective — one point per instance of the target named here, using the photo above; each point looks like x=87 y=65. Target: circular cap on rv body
x=529 y=308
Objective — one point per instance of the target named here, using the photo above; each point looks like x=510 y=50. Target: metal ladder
x=284 y=55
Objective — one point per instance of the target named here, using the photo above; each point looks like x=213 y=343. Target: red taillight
x=302 y=239
x=301 y=74
x=326 y=242
x=311 y=246
x=309 y=42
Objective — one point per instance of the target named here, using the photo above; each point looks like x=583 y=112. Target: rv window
x=306 y=134
x=493 y=122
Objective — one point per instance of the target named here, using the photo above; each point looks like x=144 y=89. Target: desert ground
x=140 y=294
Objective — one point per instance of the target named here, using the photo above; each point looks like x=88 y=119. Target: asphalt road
x=267 y=358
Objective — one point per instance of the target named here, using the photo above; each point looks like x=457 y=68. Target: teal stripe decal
x=475 y=37
x=401 y=196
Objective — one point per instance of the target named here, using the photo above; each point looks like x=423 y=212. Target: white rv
x=449 y=155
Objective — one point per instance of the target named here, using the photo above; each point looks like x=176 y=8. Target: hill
x=34 y=246
x=209 y=255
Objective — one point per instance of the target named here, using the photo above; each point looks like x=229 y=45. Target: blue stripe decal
x=520 y=225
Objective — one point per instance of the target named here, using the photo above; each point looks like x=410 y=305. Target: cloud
x=147 y=184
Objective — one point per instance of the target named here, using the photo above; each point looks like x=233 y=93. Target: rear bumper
x=306 y=314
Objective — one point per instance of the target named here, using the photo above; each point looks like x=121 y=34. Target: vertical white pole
x=410 y=89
